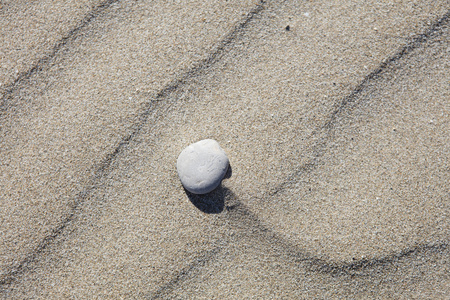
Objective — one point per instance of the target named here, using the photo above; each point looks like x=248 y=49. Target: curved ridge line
x=205 y=64
x=316 y=264
x=88 y=18
x=187 y=272
x=318 y=150
x=10 y=277
x=251 y=227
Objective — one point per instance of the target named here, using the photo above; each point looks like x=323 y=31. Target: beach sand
x=336 y=127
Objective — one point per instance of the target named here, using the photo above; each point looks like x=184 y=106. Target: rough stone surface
x=202 y=166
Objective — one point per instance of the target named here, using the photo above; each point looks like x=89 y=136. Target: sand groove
x=132 y=232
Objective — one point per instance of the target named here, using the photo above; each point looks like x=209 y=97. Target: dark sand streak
x=188 y=272
x=250 y=227
x=237 y=212
x=104 y=167
x=350 y=102
x=71 y=35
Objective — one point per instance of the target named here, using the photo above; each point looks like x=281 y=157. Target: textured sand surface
x=337 y=131
x=60 y=124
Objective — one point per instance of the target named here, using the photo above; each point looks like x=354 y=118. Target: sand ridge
x=270 y=91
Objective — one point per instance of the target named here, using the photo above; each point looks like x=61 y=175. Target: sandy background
x=337 y=130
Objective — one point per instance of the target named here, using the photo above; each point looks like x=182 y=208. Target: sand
x=337 y=131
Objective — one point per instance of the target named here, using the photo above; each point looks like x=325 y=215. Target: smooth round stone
x=202 y=166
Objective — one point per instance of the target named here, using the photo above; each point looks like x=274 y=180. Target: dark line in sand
x=362 y=268
x=351 y=269
x=72 y=34
x=345 y=105
x=234 y=210
x=253 y=222
x=251 y=227
x=185 y=273
x=364 y=265
x=416 y=42
x=196 y=70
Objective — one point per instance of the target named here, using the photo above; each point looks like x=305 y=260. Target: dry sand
x=337 y=131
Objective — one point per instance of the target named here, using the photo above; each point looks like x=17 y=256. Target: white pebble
x=202 y=166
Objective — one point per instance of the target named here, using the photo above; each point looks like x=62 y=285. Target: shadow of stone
x=212 y=202
x=229 y=172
